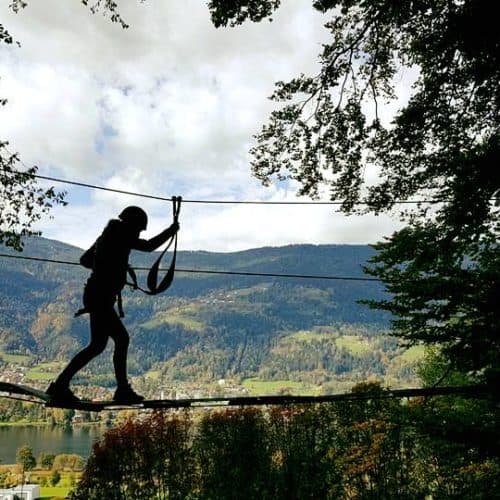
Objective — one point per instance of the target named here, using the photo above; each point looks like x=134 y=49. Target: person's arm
x=158 y=240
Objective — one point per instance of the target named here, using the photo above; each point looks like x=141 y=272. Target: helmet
x=136 y=216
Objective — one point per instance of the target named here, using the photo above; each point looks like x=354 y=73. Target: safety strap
x=119 y=304
x=154 y=287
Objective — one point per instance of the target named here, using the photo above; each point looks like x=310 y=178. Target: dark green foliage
x=22 y=202
x=233 y=452
x=329 y=122
x=55 y=477
x=46 y=460
x=25 y=458
x=366 y=449
x=443 y=145
x=303 y=460
x=443 y=295
x=234 y=12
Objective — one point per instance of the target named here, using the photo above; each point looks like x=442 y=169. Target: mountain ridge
x=208 y=326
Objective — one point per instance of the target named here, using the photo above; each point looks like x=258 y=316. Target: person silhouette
x=108 y=259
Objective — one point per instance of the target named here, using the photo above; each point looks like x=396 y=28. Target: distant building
x=25 y=491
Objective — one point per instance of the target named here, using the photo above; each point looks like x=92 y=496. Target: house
x=24 y=491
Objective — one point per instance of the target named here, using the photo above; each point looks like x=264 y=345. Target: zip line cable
x=214 y=202
x=205 y=271
x=219 y=202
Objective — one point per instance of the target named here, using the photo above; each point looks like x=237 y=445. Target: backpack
x=87 y=258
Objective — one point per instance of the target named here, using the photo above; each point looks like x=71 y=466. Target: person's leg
x=99 y=321
x=124 y=393
x=119 y=334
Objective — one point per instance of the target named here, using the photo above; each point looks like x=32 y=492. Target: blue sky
x=168 y=106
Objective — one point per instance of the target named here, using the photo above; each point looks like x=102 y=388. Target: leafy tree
x=22 y=202
x=375 y=448
x=442 y=146
x=141 y=460
x=303 y=442
x=3 y=476
x=67 y=461
x=46 y=460
x=232 y=446
x=25 y=458
x=55 y=477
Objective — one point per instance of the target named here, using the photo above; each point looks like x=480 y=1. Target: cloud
x=166 y=107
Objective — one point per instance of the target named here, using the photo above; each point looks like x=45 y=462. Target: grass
x=24 y=422
x=272 y=387
x=244 y=292
x=175 y=317
x=63 y=488
x=19 y=359
x=413 y=354
x=152 y=374
x=44 y=371
x=308 y=336
x=354 y=344
x=49 y=492
x=38 y=376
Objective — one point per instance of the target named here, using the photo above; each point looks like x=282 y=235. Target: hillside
x=209 y=327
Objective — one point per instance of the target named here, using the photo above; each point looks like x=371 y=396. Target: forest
x=208 y=328
x=362 y=450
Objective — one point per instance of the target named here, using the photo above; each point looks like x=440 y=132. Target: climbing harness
x=154 y=288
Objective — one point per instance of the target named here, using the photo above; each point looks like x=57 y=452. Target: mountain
x=208 y=326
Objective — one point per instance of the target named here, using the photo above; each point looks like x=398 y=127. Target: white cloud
x=166 y=107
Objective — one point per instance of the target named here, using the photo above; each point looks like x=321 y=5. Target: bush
x=373 y=448
x=55 y=477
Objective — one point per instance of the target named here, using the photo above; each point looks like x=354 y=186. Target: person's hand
x=175 y=226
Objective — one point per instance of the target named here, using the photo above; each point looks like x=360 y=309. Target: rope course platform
x=29 y=394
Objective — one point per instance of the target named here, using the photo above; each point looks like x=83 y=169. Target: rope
x=205 y=271
x=153 y=285
x=220 y=202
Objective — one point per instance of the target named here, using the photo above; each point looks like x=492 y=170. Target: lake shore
x=47 y=438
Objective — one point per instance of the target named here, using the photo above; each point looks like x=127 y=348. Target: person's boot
x=61 y=393
x=125 y=394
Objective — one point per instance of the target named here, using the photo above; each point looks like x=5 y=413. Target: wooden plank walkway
x=37 y=396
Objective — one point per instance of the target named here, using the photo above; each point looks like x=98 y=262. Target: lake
x=47 y=439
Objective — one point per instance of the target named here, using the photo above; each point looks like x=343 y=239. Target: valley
x=209 y=334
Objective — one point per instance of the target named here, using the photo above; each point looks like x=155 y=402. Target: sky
x=166 y=107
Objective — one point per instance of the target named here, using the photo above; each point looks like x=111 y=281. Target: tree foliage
x=22 y=201
x=364 y=450
x=442 y=145
x=25 y=458
x=330 y=125
x=46 y=460
x=141 y=460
